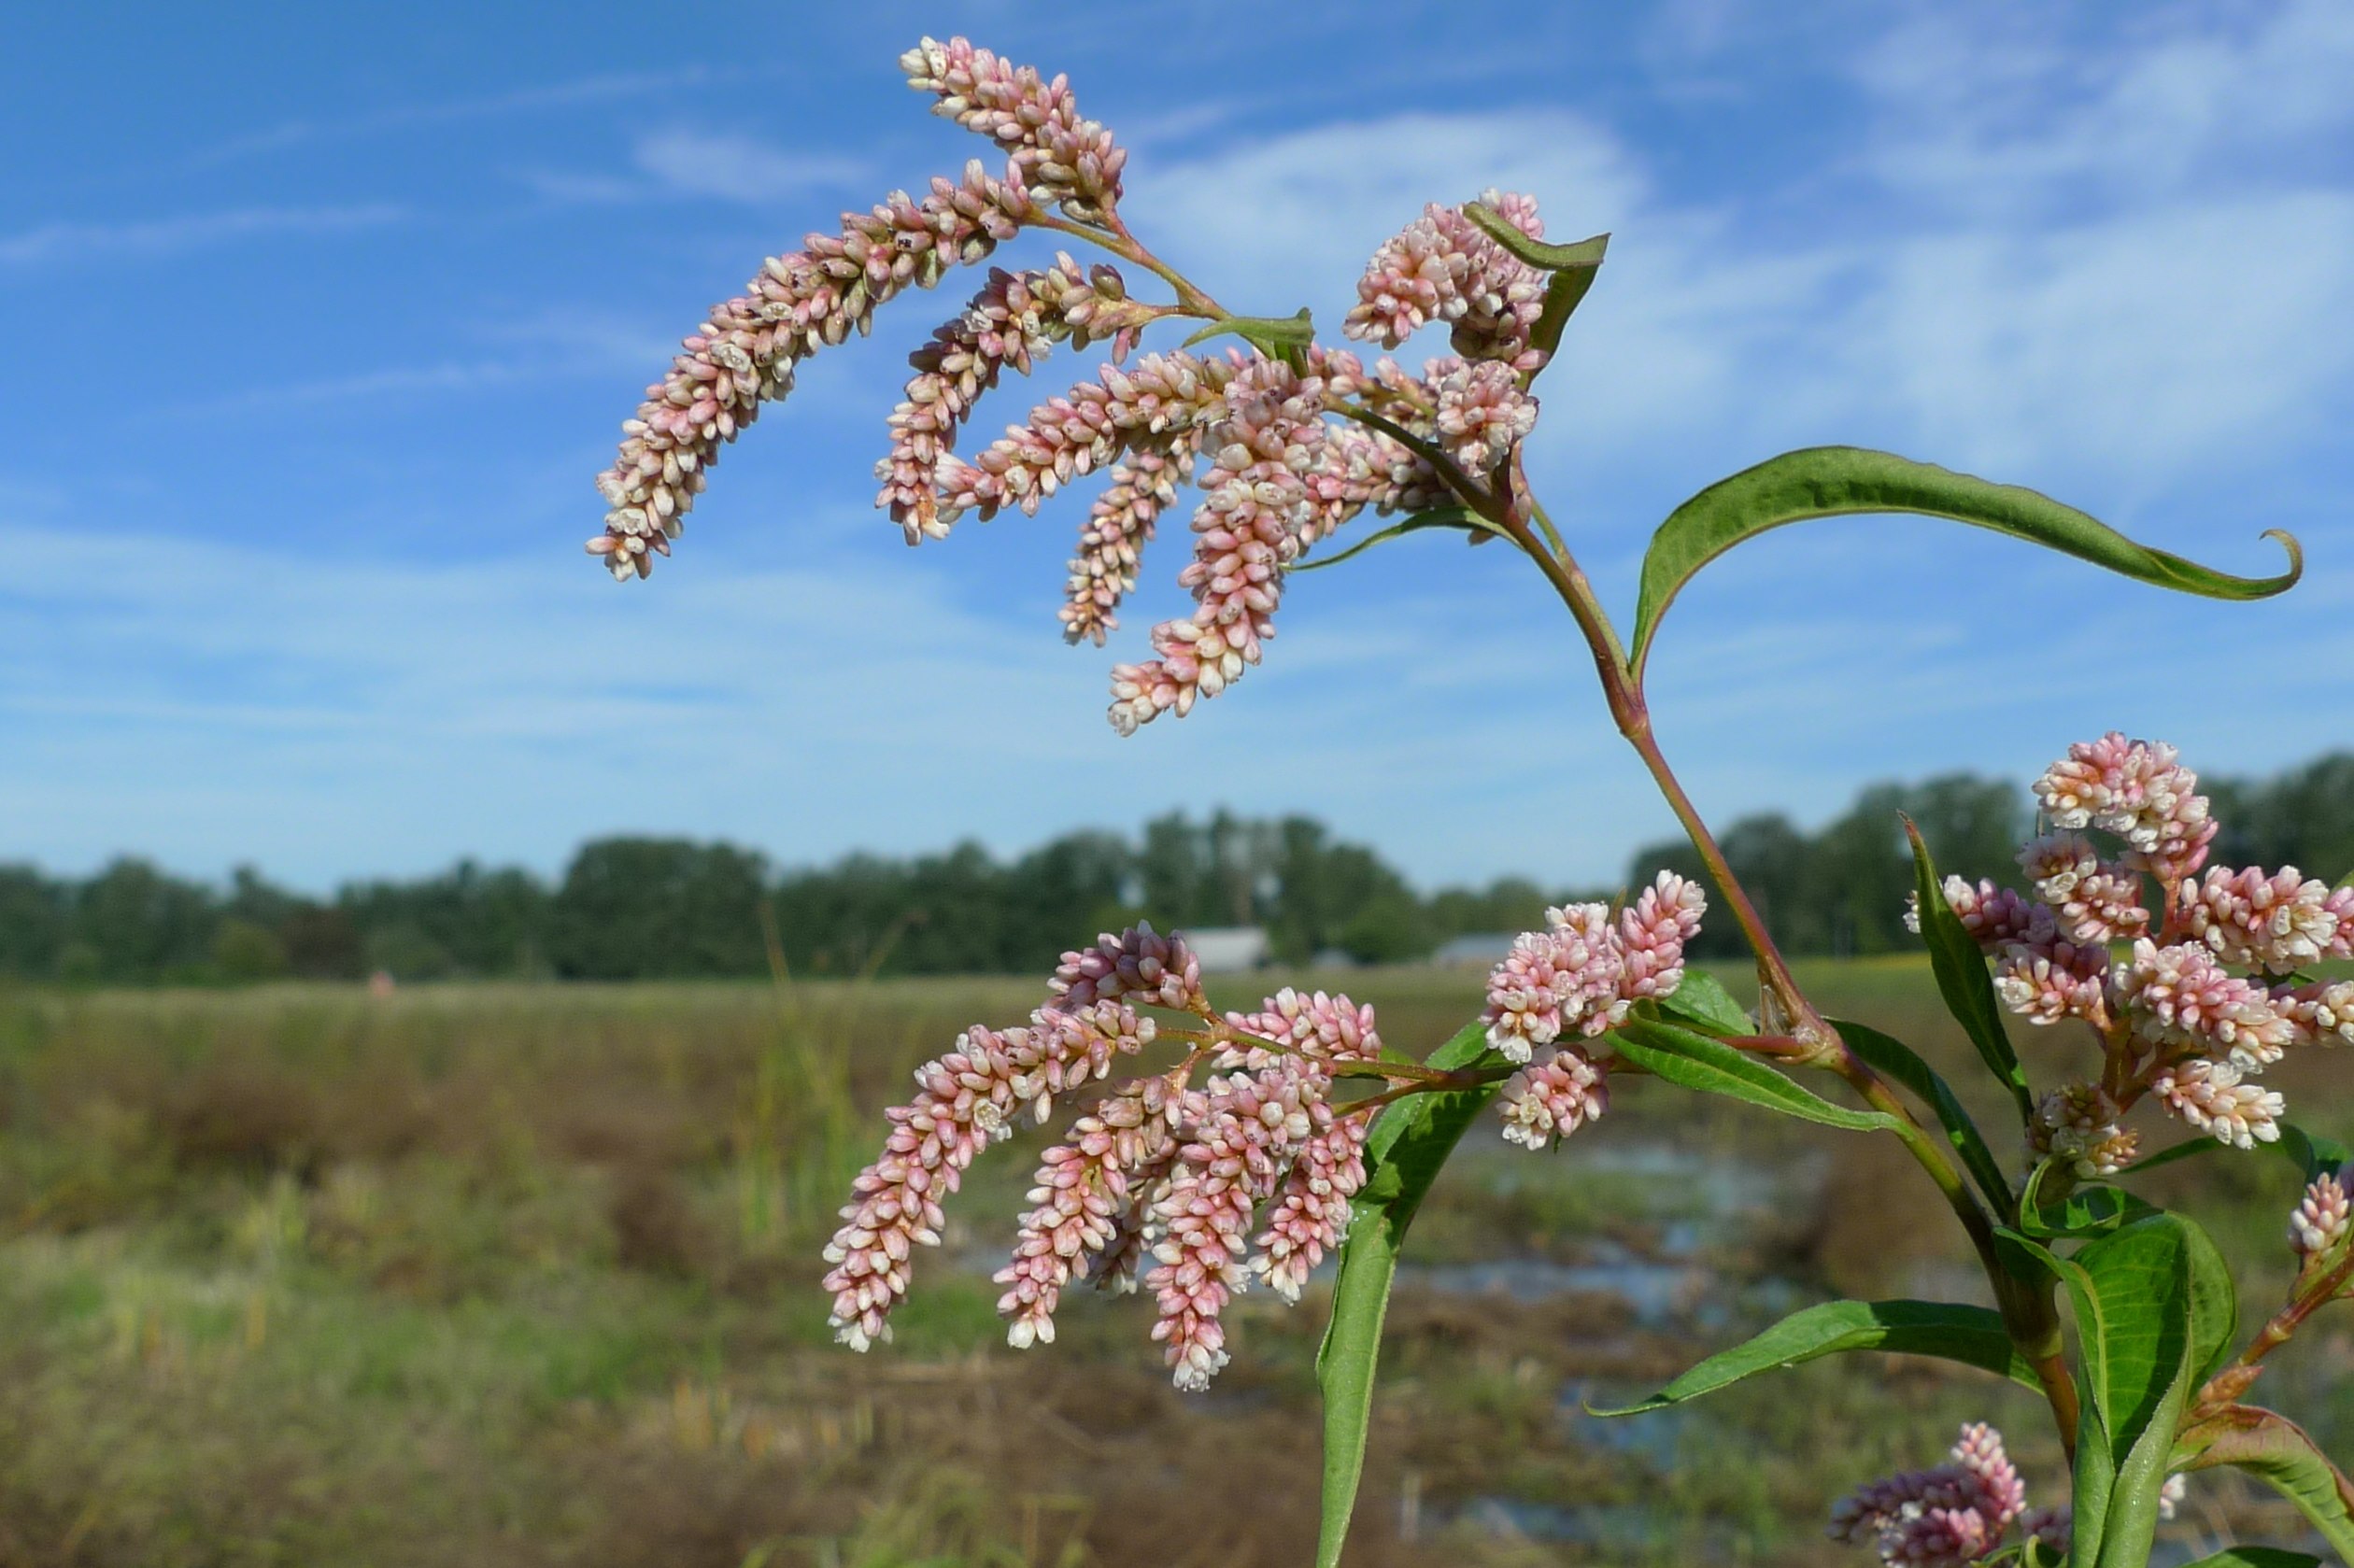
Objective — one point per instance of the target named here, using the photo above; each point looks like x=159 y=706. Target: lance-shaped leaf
x=2258 y=1557
x=1696 y=1062
x=1960 y=968
x=1704 y=1004
x=2150 y=1316
x=1839 y=481
x=1973 y=1336
x=2277 y=1451
x=1461 y=517
x=2310 y=1152
x=1902 y=1062
x=1403 y=1154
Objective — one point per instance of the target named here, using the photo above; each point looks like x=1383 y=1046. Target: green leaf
x=1900 y=1061
x=2312 y=1154
x=1696 y=1062
x=1277 y=337
x=1960 y=968
x=2258 y=1557
x=1586 y=254
x=2277 y=1451
x=1407 y=1145
x=2083 y=1213
x=1438 y=516
x=1839 y=481
x=2308 y=1151
x=2143 y=1329
x=1973 y=1336
x=1703 y=1002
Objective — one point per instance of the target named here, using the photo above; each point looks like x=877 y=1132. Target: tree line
x=645 y=908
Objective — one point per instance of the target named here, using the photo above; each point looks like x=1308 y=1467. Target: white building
x=1229 y=950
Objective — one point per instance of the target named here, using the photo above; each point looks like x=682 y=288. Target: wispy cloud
x=600 y=87
x=163 y=236
x=740 y=168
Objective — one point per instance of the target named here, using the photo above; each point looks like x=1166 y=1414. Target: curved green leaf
x=1902 y=1062
x=2277 y=1451
x=1585 y=254
x=2258 y=1557
x=1403 y=1154
x=1837 y=480
x=2310 y=1152
x=1438 y=516
x=1696 y=1062
x=1973 y=1336
x=1960 y=968
x=1703 y=1002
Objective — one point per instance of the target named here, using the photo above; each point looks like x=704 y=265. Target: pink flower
x=2209 y=1096
x=2320 y=1221
x=1652 y=933
x=1065 y=159
x=1564 y=979
x=1994 y=915
x=2056 y=862
x=1144 y=485
x=1083 y=1192
x=1137 y=966
x=2179 y=995
x=1258 y=515
x=1442 y=268
x=2321 y=1013
x=2078 y=1124
x=1555 y=1095
x=1010 y=322
x=1251 y=1128
x=745 y=354
x=1153 y=404
x=1481 y=413
x=2046 y=977
x=964 y=1101
x=2104 y=907
x=2277 y=923
x=1944 y=1518
x=2134 y=788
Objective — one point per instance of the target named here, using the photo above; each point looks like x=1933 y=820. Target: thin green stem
x=1191 y=298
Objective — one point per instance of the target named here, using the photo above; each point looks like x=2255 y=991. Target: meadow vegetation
x=525 y=1274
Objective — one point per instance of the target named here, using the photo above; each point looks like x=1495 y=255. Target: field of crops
x=482 y=1274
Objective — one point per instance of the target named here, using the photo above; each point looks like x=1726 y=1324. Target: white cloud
x=68 y=242
x=739 y=168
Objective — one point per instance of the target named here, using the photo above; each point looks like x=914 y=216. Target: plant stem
x=1118 y=241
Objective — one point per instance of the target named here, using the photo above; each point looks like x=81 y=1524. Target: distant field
x=526 y=1275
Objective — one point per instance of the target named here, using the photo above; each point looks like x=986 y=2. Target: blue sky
x=319 y=321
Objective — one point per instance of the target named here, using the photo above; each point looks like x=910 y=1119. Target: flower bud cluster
x=746 y=353
x=1442 y=268
x=1153 y=404
x=1012 y=322
x=1957 y=1513
x=1580 y=975
x=2320 y=1218
x=1258 y=515
x=964 y=1101
x=1158 y=1171
x=1065 y=159
x=2177 y=1022
x=2079 y=1125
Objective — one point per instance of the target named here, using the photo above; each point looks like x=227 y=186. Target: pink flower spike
x=2320 y=1221
x=1065 y=159
x=2277 y=923
x=1552 y=1096
x=1251 y=1128
x=745 y=354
